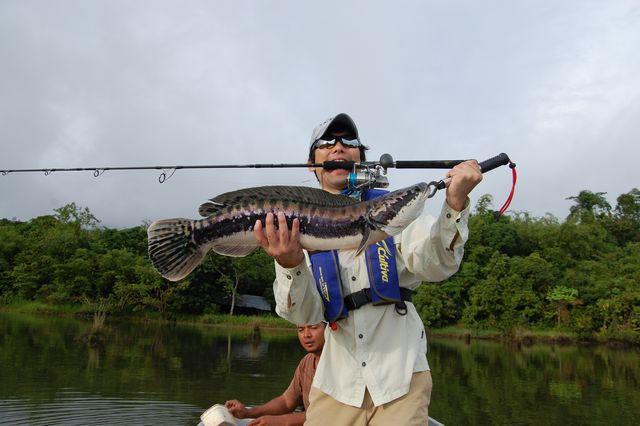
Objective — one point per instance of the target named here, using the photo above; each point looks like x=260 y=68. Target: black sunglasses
x=330 y=141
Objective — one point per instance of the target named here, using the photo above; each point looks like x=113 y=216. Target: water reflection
x=79 y=408
x=148 y=370
x=148 y=374
x=493 y=383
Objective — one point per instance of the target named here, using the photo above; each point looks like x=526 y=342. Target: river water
x=52 y=374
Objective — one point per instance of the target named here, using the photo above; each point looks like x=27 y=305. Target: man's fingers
x=257 y=232
x=272 y=237
x=463 y=168
x=295 y=230
x=283 y=228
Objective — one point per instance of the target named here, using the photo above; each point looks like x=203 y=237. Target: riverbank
x=517 y=335
x=525 y=336
x=88 y=312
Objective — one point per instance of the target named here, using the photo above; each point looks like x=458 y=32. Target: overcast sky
x=554 y=84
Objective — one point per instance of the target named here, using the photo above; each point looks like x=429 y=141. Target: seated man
x=280 y=410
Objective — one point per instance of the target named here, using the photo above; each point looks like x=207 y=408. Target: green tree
x=562 y=297
x=589 y=205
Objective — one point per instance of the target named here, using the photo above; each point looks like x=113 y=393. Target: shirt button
x=448 y=215
x=288 y=277
x=298 y=272
x=353 y=278
x=458 y=220
x=364 y=364
x=360 y=336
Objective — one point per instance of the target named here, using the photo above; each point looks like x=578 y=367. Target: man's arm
x=276 y=406
x=432 y=249
x=292 y=419
x=464 y=177
x=294 y=287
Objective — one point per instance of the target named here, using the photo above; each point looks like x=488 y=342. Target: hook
x=98 y=172
x=47 y=172
x=163 y=176
x=4 y=172
x=433 y=187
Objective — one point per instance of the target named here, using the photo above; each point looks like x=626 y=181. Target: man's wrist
x=456 y=203
x=290 y=263
x=251 y=413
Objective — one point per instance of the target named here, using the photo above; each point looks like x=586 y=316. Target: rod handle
x=494 y=162
x=336 y=165
x=427 y=164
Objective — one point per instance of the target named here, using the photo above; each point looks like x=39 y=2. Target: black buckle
x=357 y=299
x=406 y=294
x=401 y=308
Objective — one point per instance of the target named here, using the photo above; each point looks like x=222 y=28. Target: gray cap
x=341 y=122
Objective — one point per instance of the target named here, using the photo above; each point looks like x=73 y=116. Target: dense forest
x=580 y=275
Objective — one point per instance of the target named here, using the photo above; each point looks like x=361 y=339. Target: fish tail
x=172 y=249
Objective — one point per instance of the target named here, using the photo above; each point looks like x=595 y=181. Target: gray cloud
x=89 y=83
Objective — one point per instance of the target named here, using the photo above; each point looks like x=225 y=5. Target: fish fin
x=171 y=248
x=365 y=240
x=393 y=230
x=230 y=248
x=210 y=208
x=298 y=194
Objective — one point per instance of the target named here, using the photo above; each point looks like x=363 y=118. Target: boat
x=218 y=415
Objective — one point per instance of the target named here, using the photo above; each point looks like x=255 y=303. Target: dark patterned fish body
x=327 y=221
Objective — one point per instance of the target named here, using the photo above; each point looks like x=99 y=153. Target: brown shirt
x=300 y=386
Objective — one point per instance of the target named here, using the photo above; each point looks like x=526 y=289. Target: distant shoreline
x=270 y=322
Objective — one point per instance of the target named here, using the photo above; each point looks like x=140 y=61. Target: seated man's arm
x=276 y=406
x=289 y=400
x=278 y=411
x=292 y=419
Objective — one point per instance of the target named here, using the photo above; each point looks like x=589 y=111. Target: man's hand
x=268 y=421
x=282 y=245
x=236 y=408
x=464 y=177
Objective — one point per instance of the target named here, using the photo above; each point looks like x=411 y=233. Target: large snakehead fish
x=327 y=222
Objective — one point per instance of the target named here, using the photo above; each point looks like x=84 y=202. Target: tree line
x=581 y=274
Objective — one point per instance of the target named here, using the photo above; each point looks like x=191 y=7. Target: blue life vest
x=381 y=268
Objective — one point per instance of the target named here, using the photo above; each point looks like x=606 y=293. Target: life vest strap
x=360 y=298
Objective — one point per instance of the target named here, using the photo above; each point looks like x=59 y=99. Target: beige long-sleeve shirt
x=376 y=348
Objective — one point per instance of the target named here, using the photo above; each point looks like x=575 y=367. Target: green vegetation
x=521 y=276
x=67 y=259
x=580 y=278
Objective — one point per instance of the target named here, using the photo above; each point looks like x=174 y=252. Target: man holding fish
x=374 y=366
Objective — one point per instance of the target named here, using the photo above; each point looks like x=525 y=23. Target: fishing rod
x=366 y=173
x=362 y=174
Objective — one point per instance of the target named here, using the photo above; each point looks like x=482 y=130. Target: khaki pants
x=410 y=409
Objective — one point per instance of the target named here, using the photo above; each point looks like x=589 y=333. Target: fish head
x=394 y=211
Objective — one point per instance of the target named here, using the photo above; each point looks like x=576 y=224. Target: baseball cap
x=341 y=122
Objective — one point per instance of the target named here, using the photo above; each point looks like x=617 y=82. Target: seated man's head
x=311 y=337
x=333 y=140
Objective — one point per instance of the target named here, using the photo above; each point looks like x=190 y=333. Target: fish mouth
x=398 y=209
